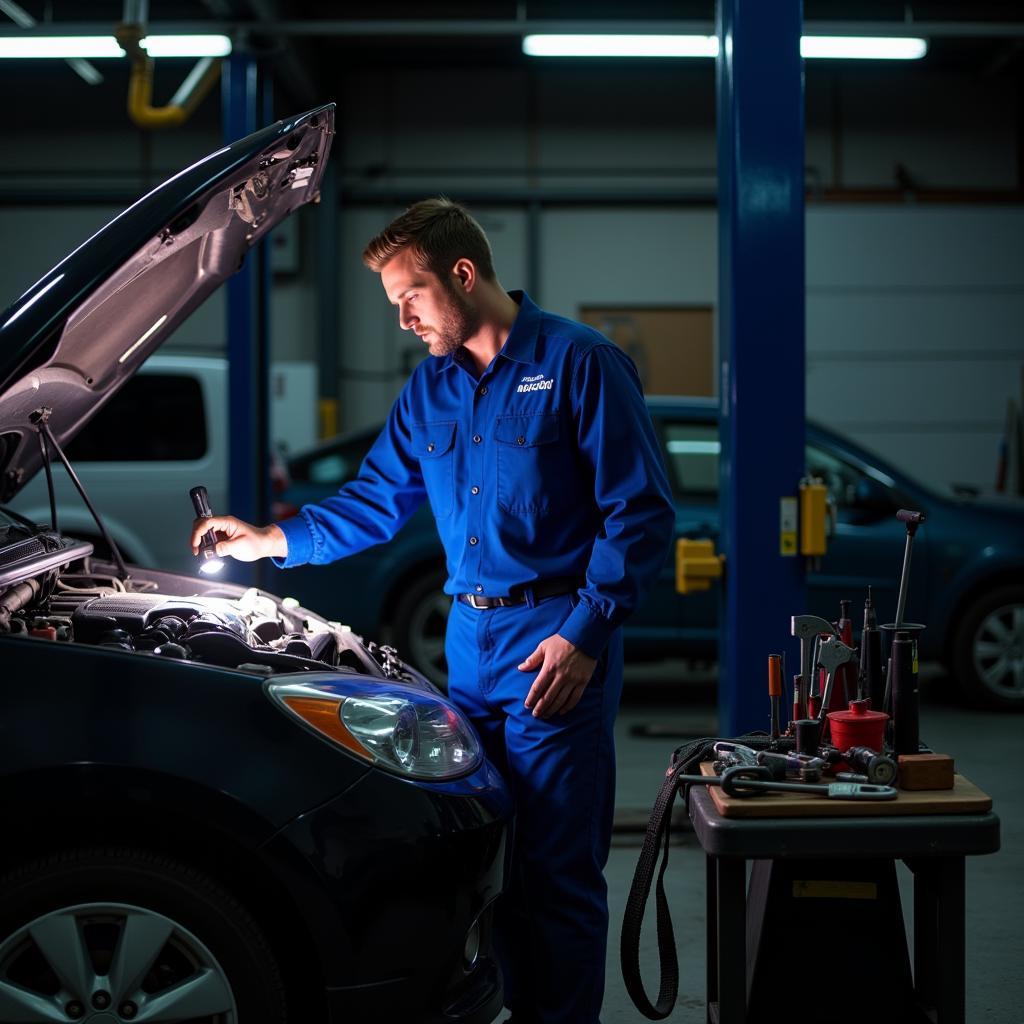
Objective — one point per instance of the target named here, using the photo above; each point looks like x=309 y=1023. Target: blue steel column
x=329 y=281
x=247 y=341
x=761 y=341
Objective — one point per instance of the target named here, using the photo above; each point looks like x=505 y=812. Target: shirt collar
x=521 y=344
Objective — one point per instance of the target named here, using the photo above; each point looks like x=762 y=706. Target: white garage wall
x=915 y=332
x=915 y=315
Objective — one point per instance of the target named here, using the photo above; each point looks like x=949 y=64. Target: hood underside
x=82 y=330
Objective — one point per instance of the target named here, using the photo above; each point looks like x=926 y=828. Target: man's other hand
x=564 y=674
x=241 y=540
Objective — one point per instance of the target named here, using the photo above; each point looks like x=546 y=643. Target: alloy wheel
x=111 y=963
x=998 y=650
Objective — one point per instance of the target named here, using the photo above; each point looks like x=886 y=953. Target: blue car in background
x=967 y=582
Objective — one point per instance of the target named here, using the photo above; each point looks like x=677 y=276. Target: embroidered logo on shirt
x=537 y=383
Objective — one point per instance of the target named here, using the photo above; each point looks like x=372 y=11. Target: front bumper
x=388 y=879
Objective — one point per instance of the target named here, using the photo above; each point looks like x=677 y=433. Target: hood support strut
x=39 y=419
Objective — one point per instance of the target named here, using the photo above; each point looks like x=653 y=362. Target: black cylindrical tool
x=775 y=691
x=209 y=561
x=871 y=683
x=905 y=709
x=808 y=735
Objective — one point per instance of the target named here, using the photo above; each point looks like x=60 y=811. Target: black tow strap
x=685 y=760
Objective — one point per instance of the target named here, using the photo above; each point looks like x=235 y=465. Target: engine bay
x=52 y=588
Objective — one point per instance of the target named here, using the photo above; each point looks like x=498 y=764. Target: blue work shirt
x=544 y=467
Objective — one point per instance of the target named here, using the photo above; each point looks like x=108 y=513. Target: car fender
x=54 y=808
x=994 y=564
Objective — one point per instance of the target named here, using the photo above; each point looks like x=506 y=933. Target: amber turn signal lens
x=322 y=714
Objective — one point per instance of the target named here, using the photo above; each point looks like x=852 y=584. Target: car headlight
x=400 y=729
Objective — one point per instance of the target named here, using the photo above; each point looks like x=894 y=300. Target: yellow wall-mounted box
x=697 y=565
x=813 y=516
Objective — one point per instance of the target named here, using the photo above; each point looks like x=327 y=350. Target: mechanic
x=529 y=435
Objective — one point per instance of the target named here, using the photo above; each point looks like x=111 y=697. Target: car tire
x=67 y=920
x=988 y=649
x=420 y=619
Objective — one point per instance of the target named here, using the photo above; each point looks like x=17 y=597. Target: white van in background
x=163 y=433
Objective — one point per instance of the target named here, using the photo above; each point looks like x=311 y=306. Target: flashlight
x=210 y=563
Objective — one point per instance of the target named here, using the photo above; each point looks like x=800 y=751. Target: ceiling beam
x=510 y=27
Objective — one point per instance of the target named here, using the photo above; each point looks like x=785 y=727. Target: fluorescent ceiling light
x=97 y=47
x=863 y=47
x=60 y=46
x=619 y=46
x=635 y=45
x=186 y=46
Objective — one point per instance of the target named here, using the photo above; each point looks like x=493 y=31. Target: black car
x=218 y=807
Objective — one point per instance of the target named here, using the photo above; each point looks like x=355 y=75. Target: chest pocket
x=529 y=462
x=433 y=444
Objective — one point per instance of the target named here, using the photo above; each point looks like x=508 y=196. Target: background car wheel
x=988 y=652
x=134 y=934
x=421 y=617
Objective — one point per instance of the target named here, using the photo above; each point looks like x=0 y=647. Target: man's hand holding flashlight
x=241 y=540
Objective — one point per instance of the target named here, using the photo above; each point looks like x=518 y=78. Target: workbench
x=820 y=935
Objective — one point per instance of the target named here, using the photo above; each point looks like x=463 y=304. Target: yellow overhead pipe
x=140 y=85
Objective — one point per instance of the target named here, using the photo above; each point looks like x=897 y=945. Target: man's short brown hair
x=440 y=233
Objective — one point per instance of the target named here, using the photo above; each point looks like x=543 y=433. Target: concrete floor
x=666 y=703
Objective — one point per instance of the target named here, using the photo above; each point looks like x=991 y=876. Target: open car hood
x=84 y=328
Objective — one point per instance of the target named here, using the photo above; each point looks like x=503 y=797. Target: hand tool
x=209 y=561
x=912 y=520
x=879 y=768
x=846 y=677
x=753 y=780
x=743 y=782
x=774 y=691
x=729 y=754
x=870 y=680
x=832 y=653
x=802 y=767
x=806 y=627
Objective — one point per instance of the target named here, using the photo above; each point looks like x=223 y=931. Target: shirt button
x=474 y=490
x=483 y=390
x=473 y=540
x=479 y=589
x=477 y=439
x=520 y=440
x=430 y=447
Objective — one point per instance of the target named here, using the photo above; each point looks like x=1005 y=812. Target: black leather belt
x=519 y=595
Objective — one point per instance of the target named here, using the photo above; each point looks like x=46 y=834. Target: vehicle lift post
x=245 y=108
x=761 y=339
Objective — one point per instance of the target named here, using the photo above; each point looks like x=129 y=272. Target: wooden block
x=925 y=771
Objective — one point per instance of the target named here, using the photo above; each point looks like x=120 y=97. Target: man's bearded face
x=458 y=321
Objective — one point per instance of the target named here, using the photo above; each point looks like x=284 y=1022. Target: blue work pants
x=551 y=925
